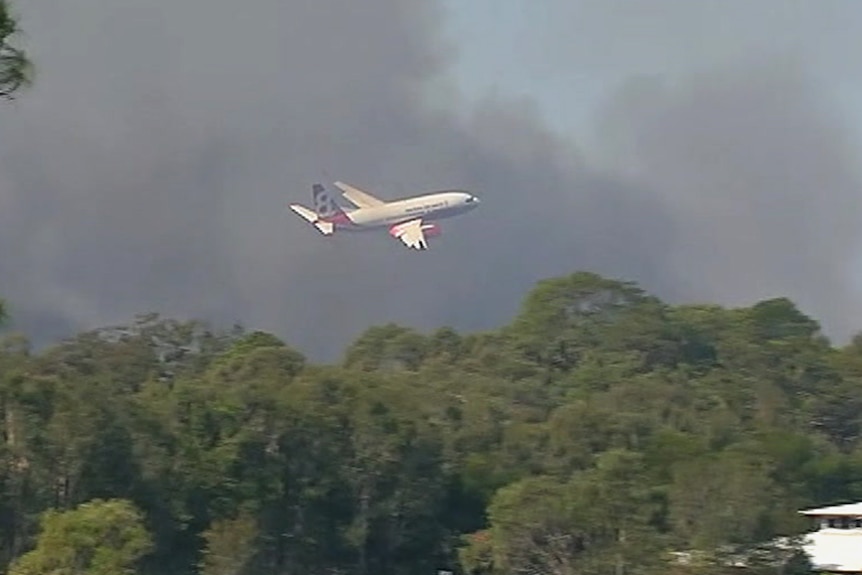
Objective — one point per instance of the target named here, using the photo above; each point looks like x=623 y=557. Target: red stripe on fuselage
x=339 y=219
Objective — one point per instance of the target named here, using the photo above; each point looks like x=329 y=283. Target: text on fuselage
x=426 y=207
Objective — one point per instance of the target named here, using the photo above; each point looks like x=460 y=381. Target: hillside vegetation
x=596 y=432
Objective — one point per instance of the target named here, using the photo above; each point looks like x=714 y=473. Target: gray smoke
x=151 y=165
x=760 y=174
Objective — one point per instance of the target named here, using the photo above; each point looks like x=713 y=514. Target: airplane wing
x=411 y=234
x=358 y=197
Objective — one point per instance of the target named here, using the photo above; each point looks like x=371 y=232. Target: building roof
x=851 y=509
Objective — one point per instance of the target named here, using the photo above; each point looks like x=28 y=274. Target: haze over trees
x=597 y=431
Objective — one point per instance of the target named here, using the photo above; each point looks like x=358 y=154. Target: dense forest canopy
x=600 y=431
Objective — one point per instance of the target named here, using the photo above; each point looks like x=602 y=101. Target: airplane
x=408 y=219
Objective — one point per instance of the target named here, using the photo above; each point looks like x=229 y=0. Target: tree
x=596 y=522
x=21 y=402
x=101 y=537
x=230 y=545
x=15 y=68
x=386 y=347
x=601 y=431
x=563 y=321
x=723 y=499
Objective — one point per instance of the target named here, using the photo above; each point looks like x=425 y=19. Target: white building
x=836 y=546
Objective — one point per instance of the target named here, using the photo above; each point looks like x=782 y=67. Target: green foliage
x=96 y=538
x=594 y=522
x=229 y=546
x=600 y=431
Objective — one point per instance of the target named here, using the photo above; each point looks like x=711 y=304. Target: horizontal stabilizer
x=326 y=228
x=307 y=215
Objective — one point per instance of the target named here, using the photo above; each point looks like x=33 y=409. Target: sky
x=708 y=151
x=570 y=56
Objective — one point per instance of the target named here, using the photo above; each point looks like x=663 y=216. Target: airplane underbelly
x=372 y=218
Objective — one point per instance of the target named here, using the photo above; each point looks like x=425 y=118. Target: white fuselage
x=434 y=206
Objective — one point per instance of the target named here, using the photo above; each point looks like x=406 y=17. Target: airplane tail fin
x=325 y=213
x=324 y=204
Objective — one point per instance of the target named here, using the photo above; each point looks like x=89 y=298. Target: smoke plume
x=150 y=167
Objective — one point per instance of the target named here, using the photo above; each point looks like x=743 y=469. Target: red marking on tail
x=340 y=219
